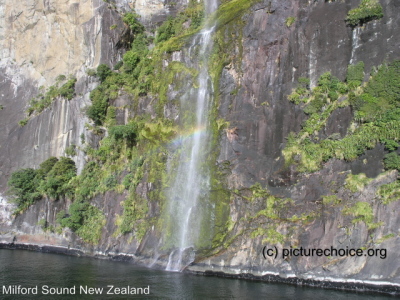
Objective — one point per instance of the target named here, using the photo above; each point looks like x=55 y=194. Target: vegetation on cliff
x=51 y=180
x=376 y=114
x=376 y=118
x=367 y=10
x=44 y=99
x=137 y=151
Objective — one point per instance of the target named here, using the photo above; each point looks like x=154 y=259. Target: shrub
x=91 y=72
x=86 y=184
x=390 y=145
x=76 y=215
x=68 y=89
x=165 y=31
x=84 y=219
x=23 y=186
x=127 y=132
x=197 y=19
x=92 y=226
x=132 y=20
x=376 y=106
x=368 y=10
x=103 y=71
x=56 y=183
x=118 y=65
x=135 y=209
x=43 y=101
x=131 y=60
x=385 y=83
x=70 y=150
x=45 y=167
x=97 y=111
x=61 y=77
x=82 y=137
x=23 y=122
x=304 y=82
x=355 y=74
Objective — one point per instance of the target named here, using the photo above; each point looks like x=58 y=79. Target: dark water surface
x=31 y=269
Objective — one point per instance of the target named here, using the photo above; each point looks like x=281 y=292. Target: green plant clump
x=368 y=10
x=363 y=212
x=356 y=183
x=55 y=183
x=331 y=200
x=389 y=192
x=290 y=21
x=392 y=161
x=23 y=186
x=71 y=150
x=355 y=75
x=51 y=179
x=23 y=122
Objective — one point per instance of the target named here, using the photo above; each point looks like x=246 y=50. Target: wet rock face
x=274 y=57
x=69 y=38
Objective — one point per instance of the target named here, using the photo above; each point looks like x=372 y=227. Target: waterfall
x=355 y=44
x=192 y=181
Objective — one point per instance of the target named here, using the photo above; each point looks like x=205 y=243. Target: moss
x=363 y=212
x=389 y=192
x=331 y=200
x=275 y=214
x=274 y=207
x=230 y=11
x=385 y=238
x=176 y=73
x=356 y=183
x=290 y=21
x=228 y=36
x=222 y=226
x=23 y=122
x=272 y=236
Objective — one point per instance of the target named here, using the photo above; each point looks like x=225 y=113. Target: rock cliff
x=257 y=201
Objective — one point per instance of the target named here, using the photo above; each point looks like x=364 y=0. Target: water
x=30 y=269
x=191 y=183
